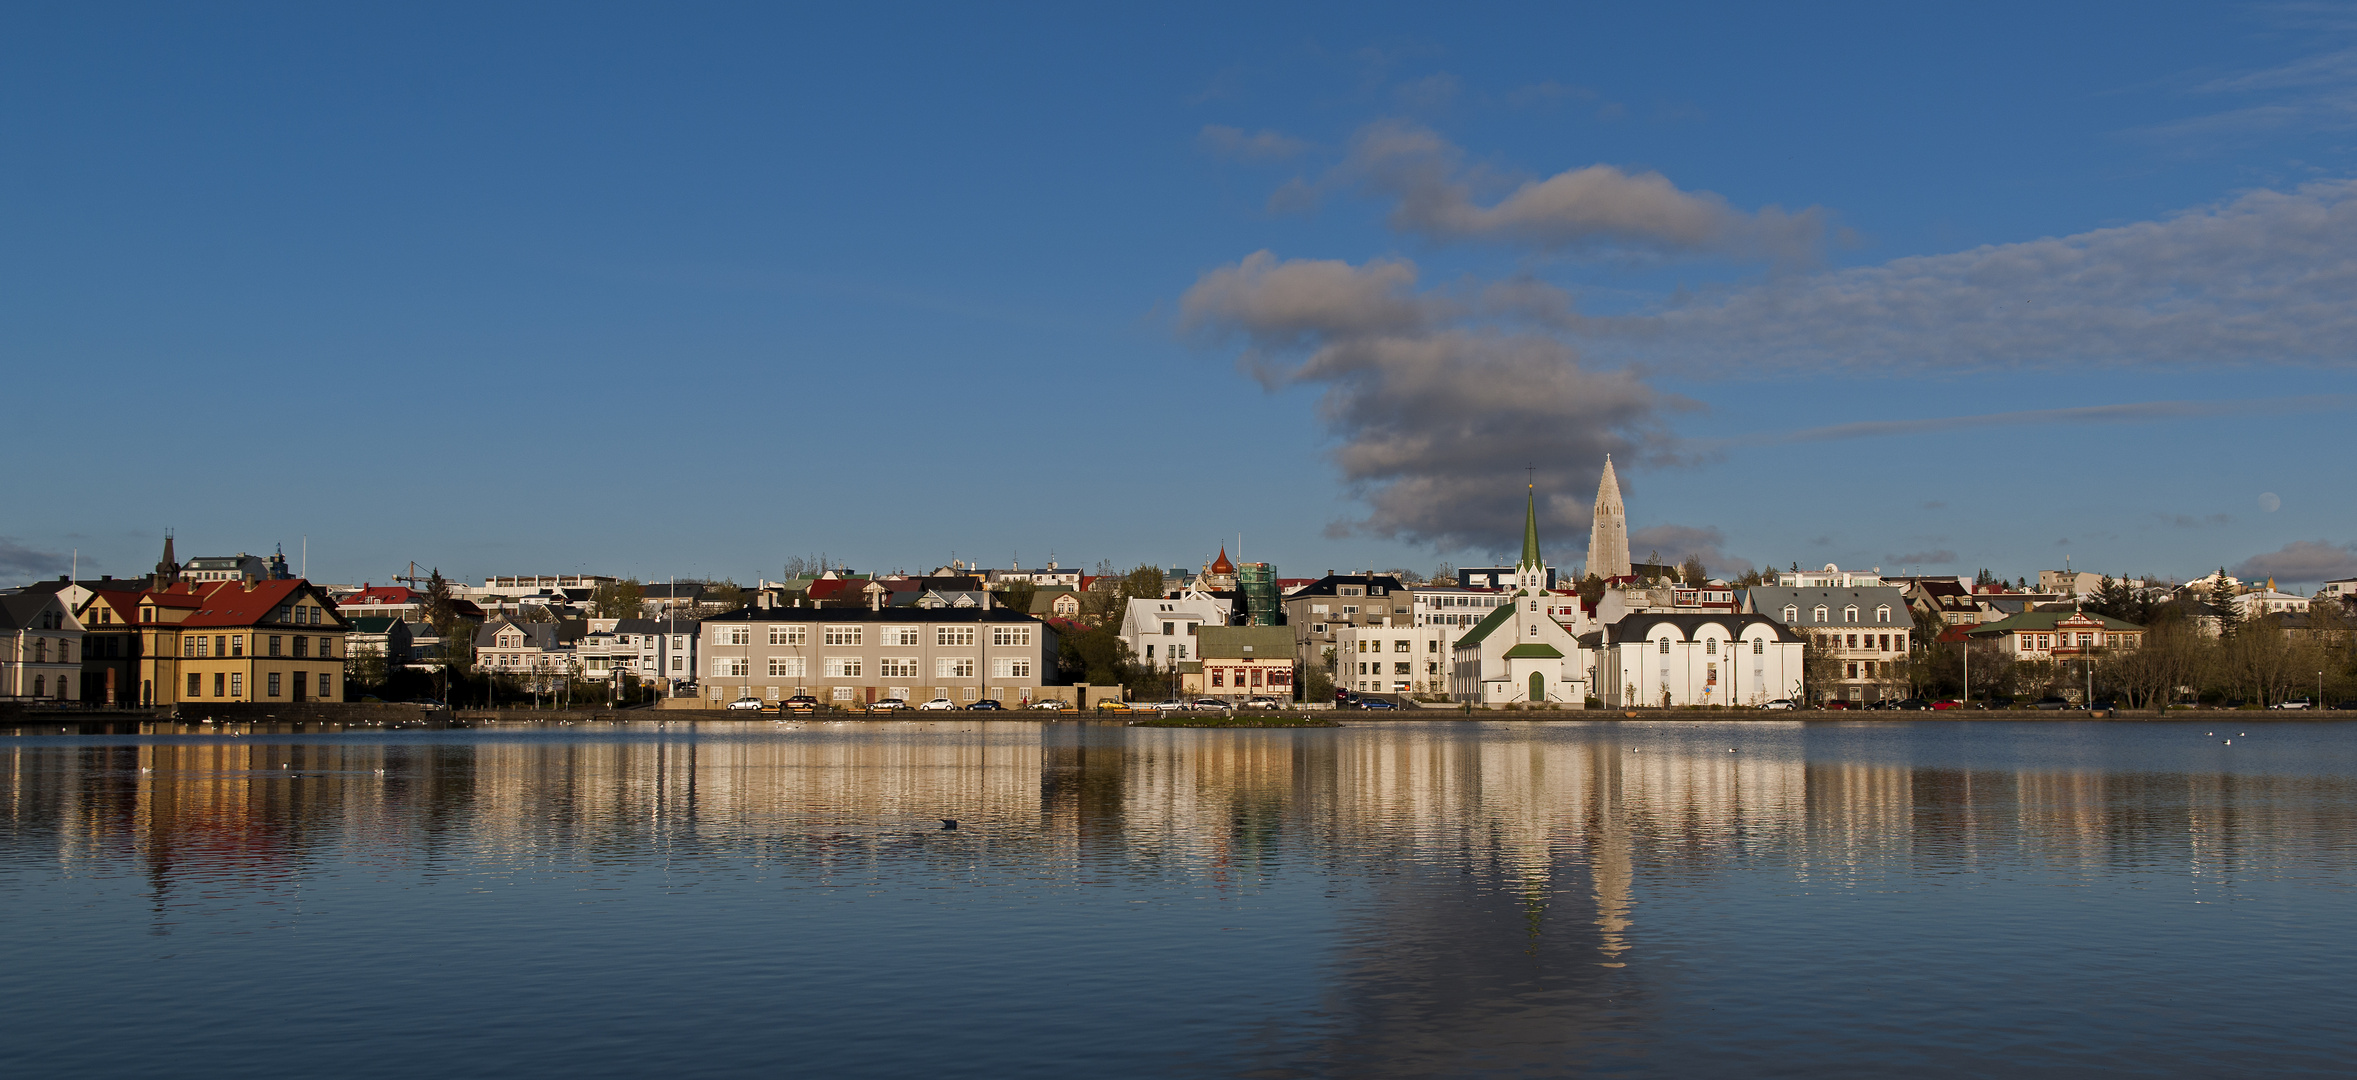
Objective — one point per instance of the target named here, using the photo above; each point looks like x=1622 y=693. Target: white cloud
x=2265 y=277
x=1436 y=196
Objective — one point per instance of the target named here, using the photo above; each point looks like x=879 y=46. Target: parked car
x=1782 y=703
x=1835 y=703
x=939 y=704
x=2050 y=704
x=1051 y=703
x=744 y=704
x=2299 y=704
x=1341 y=696
x=800 y=703
x=985 y=705
x=1377 y=703
x=429 y=704
x=2107 y=706
x=1262 y=703
x=1916 y=704
x=890 y=704
x=1110 y=706
x=1947 y=703
x=1167 y=705
x=1211 y=703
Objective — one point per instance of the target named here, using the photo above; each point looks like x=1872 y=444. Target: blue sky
x=649 y=292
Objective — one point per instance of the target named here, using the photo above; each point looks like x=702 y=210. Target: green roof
x=1244 y=643
x=2045 y=620
x=1531 y=650
x=1498 y=616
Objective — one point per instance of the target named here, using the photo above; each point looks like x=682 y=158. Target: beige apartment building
x=861 y=655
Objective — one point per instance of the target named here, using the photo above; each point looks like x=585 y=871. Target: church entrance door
x=1538 y=687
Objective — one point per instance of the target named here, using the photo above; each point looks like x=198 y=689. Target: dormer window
x=1849 y=614
x=1791 y=613
x=1820 y=613
x=1882 y=614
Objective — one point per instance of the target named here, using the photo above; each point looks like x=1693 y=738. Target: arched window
x=41 y=682
x=1759 y=646
x=1710 y=647
x=1665 y=646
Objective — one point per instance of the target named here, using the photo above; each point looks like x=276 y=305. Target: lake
x=1383 y=899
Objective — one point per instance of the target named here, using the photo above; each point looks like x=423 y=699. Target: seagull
x=949 y=823
x=2229 y=742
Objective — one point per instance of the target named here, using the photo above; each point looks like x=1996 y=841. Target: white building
x=1832 y=577
x=1161 y=633
x=40 y=648
x=859 y=656
x=2268 y=601
x=1686 y=660
x=1863 y=630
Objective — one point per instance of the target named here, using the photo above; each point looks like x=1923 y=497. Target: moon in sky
x=2269 y=503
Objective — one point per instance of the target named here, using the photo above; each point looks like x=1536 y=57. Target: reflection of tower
x=1608 y=537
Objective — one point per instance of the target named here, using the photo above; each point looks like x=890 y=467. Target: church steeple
x=1531 y=572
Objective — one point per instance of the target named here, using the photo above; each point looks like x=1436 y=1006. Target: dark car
x=2050 y=704
x=1377 y=703
x=2107 y=706
x=1913 y=704
x=798 y=703
x=985 y=705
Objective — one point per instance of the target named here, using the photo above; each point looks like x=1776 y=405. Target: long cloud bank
x=2263 y=278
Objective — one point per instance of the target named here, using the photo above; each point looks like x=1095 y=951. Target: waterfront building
x=1686 y=659
x=850 y=655
x=1242 y=661
x=232 y=641
x=2058 y=635
x=40 y=642
x=1861 y=629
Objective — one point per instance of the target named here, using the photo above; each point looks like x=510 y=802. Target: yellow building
x=252 y=641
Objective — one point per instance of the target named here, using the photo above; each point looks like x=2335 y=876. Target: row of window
x=1884 y=642
x=1710 y=646
x=1236 y=676
x=232 y=684
x=891 y=667
x=1848 y=615
x=889 y=635
x=198 y=646
x=1398 y=667
x=1397 y=645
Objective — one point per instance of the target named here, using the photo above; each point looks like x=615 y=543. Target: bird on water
x=949 y=823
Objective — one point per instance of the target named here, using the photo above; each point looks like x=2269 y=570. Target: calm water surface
x=1388 y=899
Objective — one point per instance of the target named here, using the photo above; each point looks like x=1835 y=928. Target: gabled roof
x=22 y=610
x=230 y=603
x=1532 y=650
x=1498 y=616
x=2046 y=619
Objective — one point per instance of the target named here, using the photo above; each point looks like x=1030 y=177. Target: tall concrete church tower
x=1608 y=537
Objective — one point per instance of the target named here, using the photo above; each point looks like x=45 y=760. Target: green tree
x=617 y=600
x=1018 y=595
x=1591 y=590
x=1693 y=572
x=1142 y=583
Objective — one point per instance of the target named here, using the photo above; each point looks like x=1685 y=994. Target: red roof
x=385 y=594
x=1955 y=632
x=229 y=603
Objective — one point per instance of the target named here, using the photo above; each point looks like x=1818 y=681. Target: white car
x=1781 y=703
x=1051 y=703
x=1262 y=703
x=744 y=704
x=939 y=704
x=890 y=704
x=2290 y=705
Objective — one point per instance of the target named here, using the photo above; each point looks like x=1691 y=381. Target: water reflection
x=1502 y=897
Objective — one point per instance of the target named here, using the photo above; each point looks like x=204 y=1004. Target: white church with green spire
x=1527 y=652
